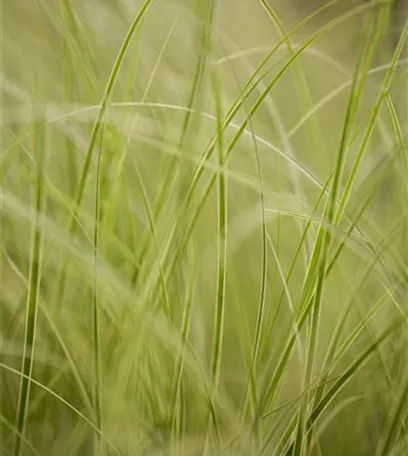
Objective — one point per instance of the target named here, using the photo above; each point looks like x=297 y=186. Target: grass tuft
x=203 y=228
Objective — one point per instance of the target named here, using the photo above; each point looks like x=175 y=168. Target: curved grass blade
x=173 y=171
x=33 y=295
x=23 y=439
x=98 y=447
x=178 y=419
x=273 y=319
x=348 y=374
x=251 y=386
x=272 y=387
x=393 y=428
x=375 y=112
x=239 y=133
x=321 y=250
x=346 y=377
x=120 y=162
x=63 y=401
x=376 y=258
x=304 y=99
x=222 y=216
x=96 y=129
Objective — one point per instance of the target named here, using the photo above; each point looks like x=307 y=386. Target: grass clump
x=204 y=228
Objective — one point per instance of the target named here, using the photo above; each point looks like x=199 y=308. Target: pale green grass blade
x=251 y=383
x=120 y=161
x=248 y=89
x=345 y=378
x=348 y=374
x=73 y=367
x=375 y=112
x=33 y=296
x=303 y=97
x=300 y=446
x=241 y=130
x=222 y=216
x=393 y=428
x=14 y=430
x=69 y=18
x=398 y=131
x=376 y=258
x=272 y=319
x=98 y=447
x=96 y=131
x=73 y=36
x=172 y=174
x=178 y=419
x=62 y=400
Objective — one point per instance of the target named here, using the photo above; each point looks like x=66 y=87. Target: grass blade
x=33 y=296
x=96 y=129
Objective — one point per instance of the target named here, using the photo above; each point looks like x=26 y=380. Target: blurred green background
x=125 y=328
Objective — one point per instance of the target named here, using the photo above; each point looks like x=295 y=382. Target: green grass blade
x=170 y=178
x=375 y=112
x=63 y=401
x=222 y=259
x=393 y=428
x=33 y=296
x=341 y=382
x=104 y=106
x=348 y=374
x=240 y=131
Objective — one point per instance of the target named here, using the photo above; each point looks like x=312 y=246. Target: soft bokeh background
x=56 y=59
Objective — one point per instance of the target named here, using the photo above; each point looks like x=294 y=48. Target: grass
x=204 y=228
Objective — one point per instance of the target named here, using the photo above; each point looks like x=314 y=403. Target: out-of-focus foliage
x=204 y=228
